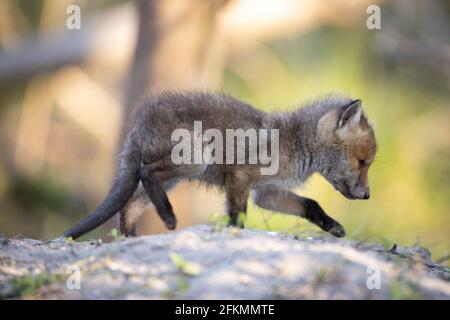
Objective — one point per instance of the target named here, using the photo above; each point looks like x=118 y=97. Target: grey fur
x=303 y=151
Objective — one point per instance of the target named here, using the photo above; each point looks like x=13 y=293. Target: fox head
x=349 y=146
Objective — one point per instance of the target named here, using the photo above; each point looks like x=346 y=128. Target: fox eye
x=362 y=163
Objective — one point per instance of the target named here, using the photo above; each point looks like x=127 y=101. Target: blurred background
x=66 y=96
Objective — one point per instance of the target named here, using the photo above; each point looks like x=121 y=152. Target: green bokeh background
x=407 y=103
x=409 y=111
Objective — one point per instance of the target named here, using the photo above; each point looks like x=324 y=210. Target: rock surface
x=204 y=262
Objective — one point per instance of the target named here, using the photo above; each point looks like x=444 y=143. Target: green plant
x=220 y=221
x=114 y=234
x=402 y=290
x=28 y=284
x=241 y=219
x=188 y=268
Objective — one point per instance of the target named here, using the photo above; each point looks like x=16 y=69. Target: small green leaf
x=192 y=269
x=188 y=268
x=241 y=219
x=182 y=284
x=177 y=260
x=220 y=221
x=114 y=234
x=386 y=243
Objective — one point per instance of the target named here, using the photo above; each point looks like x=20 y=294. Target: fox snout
x=353 y=193
x=367 y=194
x=360 y=193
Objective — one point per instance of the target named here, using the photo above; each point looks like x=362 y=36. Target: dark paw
x=170 y=222
x=336 y=230
x=236 y=224
x=331 y=226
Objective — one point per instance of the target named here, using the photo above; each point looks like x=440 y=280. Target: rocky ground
x=206 y=262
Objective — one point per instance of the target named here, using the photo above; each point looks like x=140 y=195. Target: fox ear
x=340 y=123
x=350 y=115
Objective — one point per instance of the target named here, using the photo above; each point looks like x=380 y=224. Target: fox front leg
x=285 y=201
x=237 y=190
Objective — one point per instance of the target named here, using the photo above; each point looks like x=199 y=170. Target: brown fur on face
x=361 y=149
x=346 y=132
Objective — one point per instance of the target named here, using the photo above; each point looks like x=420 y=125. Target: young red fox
x=330 y=136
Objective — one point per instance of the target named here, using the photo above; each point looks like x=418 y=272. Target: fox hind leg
x=237 y=190
x=134 y=208
x=153 y=178
x=125 y=228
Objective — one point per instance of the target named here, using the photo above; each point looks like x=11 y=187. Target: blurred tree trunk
x=172 y=52
x=140 y=76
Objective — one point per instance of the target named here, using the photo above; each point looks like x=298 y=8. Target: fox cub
x=329 y=136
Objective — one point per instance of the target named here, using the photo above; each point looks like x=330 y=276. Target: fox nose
x=367 y=195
